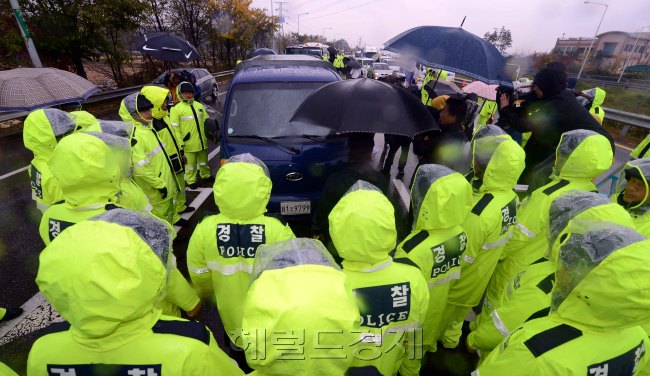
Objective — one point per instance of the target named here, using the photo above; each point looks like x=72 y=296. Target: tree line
x=70 y=33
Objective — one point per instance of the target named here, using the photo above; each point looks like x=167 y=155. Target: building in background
x=611 y=51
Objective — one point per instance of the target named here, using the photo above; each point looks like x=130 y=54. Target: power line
x=326 y=6
x=341 y=11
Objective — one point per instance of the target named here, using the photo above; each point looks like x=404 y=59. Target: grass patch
x=630 y=100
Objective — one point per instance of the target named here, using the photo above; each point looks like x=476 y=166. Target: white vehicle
x=393 y=64
x=380 y=70
x=366 y=63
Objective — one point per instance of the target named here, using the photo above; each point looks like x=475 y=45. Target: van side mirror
x=212 y=130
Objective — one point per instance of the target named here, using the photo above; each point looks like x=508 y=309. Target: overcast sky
x=535 y=24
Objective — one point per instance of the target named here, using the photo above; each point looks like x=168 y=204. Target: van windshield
x=263 y=109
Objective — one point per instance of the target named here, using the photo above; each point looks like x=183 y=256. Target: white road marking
x=403 y=193
x=12 y=173
x=214 y=152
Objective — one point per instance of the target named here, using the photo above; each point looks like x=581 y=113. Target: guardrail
x=101 y=96
x=624 y=117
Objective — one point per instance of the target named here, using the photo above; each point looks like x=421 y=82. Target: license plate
x=295 y=207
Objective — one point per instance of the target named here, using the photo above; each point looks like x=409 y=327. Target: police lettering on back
x=381 y=305
x=508 y=216
x=447 y=255
x=235 y=240
x=105 y=369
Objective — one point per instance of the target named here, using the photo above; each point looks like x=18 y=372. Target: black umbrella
x=166 y=47
x=365 y=105
x=452 y=49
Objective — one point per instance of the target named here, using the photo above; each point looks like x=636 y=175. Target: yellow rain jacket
x=42 y=131
x=6 y=371
x=592 y=328
x=131 y=195
x=222 y=249
x=188 y=118
x=641 y=150
x=162 y=126
x=499 y=161
x=580 y=156
x=83 y=120
x=151 y=169
x=596 y=110
x=528 y=295
x=89 y=176
x=105 y=276
x=488 y=110
x=441 y=200
x=393 y=298
x=300 y=317
x=640 y=211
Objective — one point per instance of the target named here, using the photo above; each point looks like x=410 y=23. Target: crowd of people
x=555 y=284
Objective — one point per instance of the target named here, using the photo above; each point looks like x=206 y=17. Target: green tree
x=501 y=38
x=67 y=32
x=12 y=46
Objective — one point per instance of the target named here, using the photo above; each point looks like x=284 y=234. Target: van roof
x=285 y=68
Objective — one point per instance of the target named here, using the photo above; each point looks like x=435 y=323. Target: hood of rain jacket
x=640 y=169
x=580 y=206
x=129 y=112
x=440 y=197
x=362 y=226
x=291 y=280
x=157 y=96
x=585 y=292
x=242 y=188
x=501 y=160
x=582 y=154
x=127 y=254
x=86 y=169
x=44 y=128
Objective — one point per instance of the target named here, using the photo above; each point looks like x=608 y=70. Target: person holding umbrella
x=171 y=82
x=447 y=148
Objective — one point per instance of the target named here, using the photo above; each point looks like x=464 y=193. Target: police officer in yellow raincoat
x=300 y=317
x=161 y=124
x=634 y=195
x=593 y=324
x=581 y=156
x=87 y=167
x=222 y=249
x=528 y=295
x=441 y=200
x=393 y=297
x=105 y=277
x=42 y=131
x=497 y=162
x=131 y=195
x=188 y=117
x=151 y=165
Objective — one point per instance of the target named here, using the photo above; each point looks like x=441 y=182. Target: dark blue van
x=264 y=93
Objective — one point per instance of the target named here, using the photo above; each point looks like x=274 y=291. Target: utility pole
x=281 y=19
x=584 y=62
x=629 y=55
x=31 y=49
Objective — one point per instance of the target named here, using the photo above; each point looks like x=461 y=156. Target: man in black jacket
x=556 y=111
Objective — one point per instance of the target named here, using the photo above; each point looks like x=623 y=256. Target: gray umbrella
x=27 y=89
